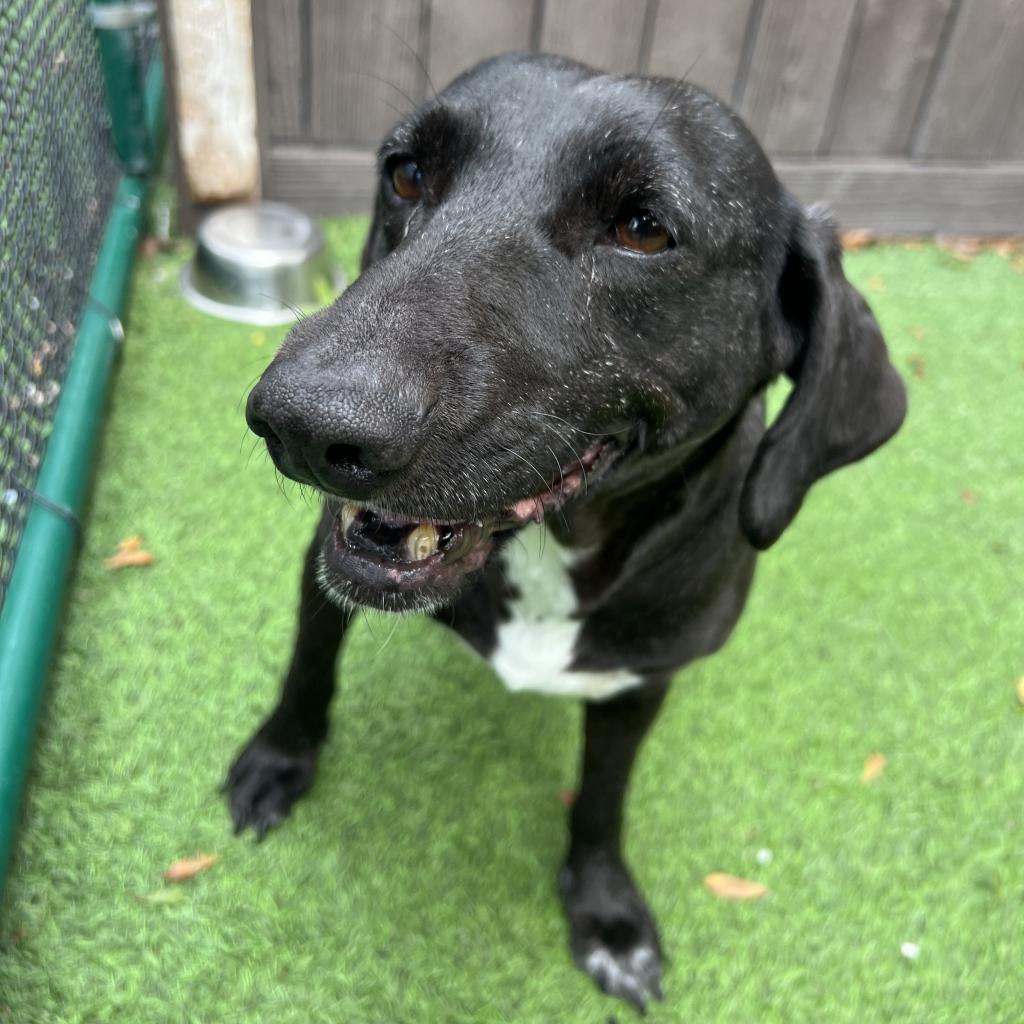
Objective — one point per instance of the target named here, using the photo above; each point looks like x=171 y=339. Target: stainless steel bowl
x=259 y=263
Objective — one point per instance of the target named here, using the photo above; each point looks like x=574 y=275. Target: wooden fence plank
x=605 y=33
x=324 y=181
x=1011 y=145
x=888 y=195
x=279 y=29
x=463 y=32
x=793 y=71
x=889 y=69
x=707 y=37
x=365 y=75
x=896 y=196
x=978 y=82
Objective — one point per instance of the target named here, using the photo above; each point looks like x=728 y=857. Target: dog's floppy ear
x=847 y=399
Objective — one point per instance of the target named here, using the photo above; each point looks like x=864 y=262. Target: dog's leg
x=277 y=765
x=612 y=933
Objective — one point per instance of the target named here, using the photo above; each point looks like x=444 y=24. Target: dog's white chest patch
x=536 y=645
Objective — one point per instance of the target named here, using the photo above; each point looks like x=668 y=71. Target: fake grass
x=416 y=882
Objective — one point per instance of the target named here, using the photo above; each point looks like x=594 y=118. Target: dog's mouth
x=396 y=562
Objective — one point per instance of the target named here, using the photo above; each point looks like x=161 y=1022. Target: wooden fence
x=907 y=115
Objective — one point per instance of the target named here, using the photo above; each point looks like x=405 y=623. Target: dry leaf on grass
x=129 y=552
x=918 y=333
x=567 y=797
x=918 y=367
x=858 y=238
x=1020 y=690
x=960 y=247
x=159 y=897
x=875 y=283
x=874 y=765
x=729 y=887
x=968 y=496
x=189 y=867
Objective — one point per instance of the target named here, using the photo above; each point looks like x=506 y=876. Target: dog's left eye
x=643 y=232
x=407 y=180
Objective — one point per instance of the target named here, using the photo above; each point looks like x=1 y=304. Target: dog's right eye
x=407 y=180
x=642 y=232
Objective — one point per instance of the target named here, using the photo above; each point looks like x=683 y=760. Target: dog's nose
x=345 y=439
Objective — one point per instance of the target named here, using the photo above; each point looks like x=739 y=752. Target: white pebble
x=764 y=856
x=911 y=950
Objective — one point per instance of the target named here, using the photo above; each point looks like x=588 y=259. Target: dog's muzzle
x=382 y=559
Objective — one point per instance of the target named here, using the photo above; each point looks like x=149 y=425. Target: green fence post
x=31 y=612
x=115 y=22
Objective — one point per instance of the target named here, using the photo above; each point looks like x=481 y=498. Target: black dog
x=576 y=287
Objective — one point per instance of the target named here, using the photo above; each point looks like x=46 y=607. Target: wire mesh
x=58 y=174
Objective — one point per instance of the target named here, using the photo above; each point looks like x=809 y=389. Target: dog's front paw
x=264 y=783
x=612 y=933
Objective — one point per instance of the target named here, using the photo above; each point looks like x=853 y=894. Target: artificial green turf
x=416 y=882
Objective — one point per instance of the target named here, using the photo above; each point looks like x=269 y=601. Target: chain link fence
x=58 y=174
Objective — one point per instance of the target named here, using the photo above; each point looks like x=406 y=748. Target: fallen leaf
x=149 y=247
x=1005 y=247
x=129 y=552
x=1018 y=264
x=968 y=496
x=729 y=887
x=960 y=247
x=918 y=333
x=858 y=238
x=876 y=283
x=567 y=797
x=874 y=765
x=159 y=897
x=189 y=867
x=1020 y=690
x=913 y=244
x=918 y=367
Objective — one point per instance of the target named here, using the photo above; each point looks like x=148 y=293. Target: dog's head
x=569 y=274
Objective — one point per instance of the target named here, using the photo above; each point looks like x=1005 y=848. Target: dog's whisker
x=245 y=391
x=252 y=451
x=394 y=627
x=580 y=430
x=415 y=53
x=672 y=94
x=296 y=312
x=522 y=458
x=561 y=482
x=390 y=85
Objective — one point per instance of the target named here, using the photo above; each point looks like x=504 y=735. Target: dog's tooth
x=348 y=515
x=421 y=542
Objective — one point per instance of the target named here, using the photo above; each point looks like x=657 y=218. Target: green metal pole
x=30 y=616
x=115 y=22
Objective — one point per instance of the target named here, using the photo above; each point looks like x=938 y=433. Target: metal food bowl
x=260 y=263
